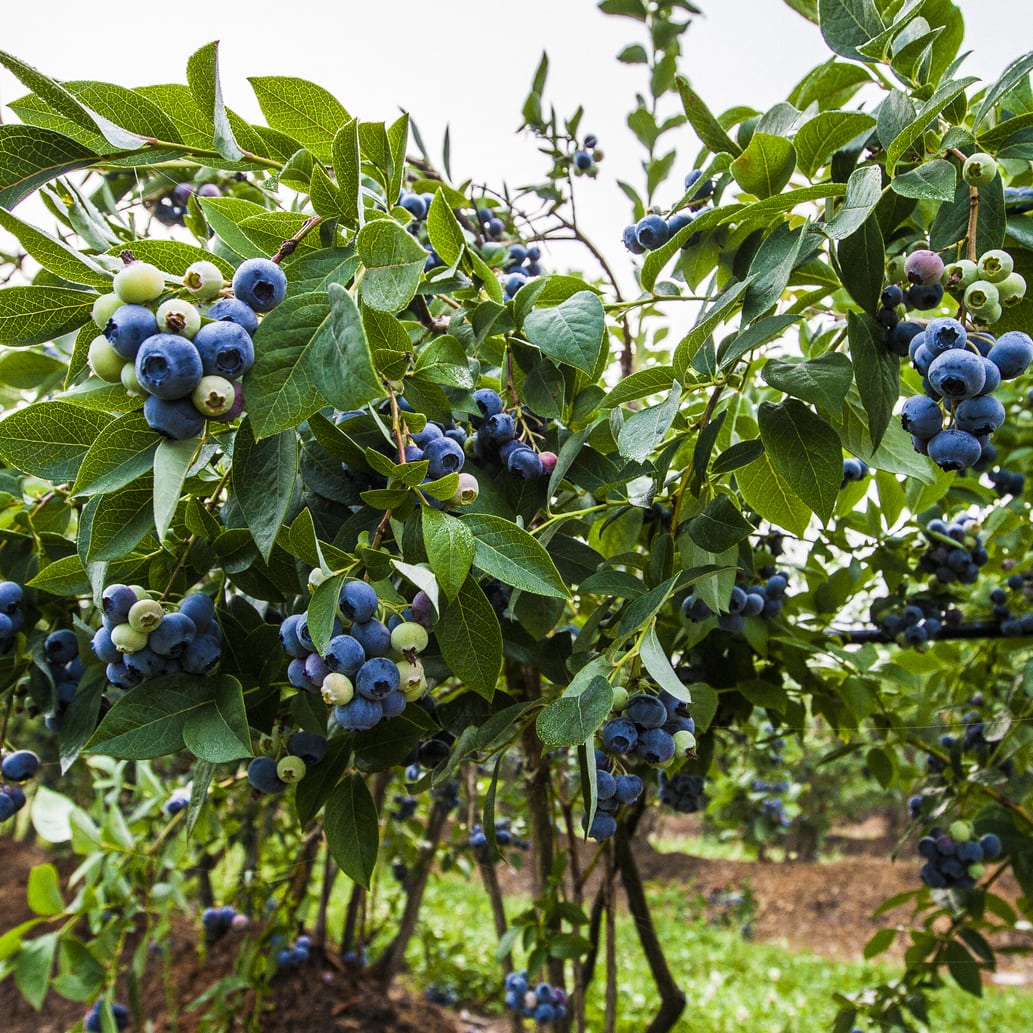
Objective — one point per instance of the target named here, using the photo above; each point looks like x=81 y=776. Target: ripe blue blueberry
x=619 y=735
x=201 y=655
x=603 y=827
x=176 y=419
x=499 y=429
x=1012 y=354
x=128 y=327
x=605 y=785
x=645 y=711
x=921 y=416
x=261 y=773
x=629 y=788
x=651 y=232
x=944 y=334
x=200 y=609
x=582 y=161
x=655 y=746
x=524 y=464
x=19 y=766
x=979 y=415
x=60 y=647
x=957 y=374
x=630 y=238
x=144 y=662
x=373 y=636
x=359 y=715
x=225 y=348
x=924 y=297
x=358 y=601
x=444 y=456
x=413 y=204
x=345 y=655
x=260 y=284
x=954 y=449
x=168 y=366
x=172 y=636
x=233 y=310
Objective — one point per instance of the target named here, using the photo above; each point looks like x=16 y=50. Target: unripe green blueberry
x=960 y=831
x=989 y=315
x=213 y=396
x=409 y=637
x=104 y=308
x=466 y=491
x=412 y=680
x=337 y=689
x=105 y=362
x=1011 y=290
x=127 y=639
x=895 y=269
x=980 y=295
x=620 y=698
x=177 y=316
x=684 y=741
x=979 y=170
x=145 y=615
x=957 y=276
x=976 y=870
x=204 y=280
x=139 y=283
x=290 y=769
x=316 y=576
x=129 y=381
x=996 y=265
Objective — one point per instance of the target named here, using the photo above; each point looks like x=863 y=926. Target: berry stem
x=288 y=247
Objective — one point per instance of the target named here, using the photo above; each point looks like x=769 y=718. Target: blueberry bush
x=341 y=534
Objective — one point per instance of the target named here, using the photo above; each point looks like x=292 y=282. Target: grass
x=732 y=985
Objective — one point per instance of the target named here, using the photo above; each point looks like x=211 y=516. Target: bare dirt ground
x=824 y=907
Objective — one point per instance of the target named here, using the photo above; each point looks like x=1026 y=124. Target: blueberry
x=1012 y=353
x=199 y=608
x=489 y=402
x=921 y=417
x=19 y=766
x=431 y=432
x=892 y=296
x=957 y=374
x=144 y=662
x=128 y=327
x=168 y=366
x=524 y=464
x=979 y=415
x=582 y=161
x=645 y=711
x=944 y=334
x=345 y=654
x=176 y=419
x=61 y=646
x=359 y=715
x=954 y=449
x=651 y=232
x=629 y=788
x=494 y=228
x=261 y=773
x=358 y=601
x=630 y=239
x=103 y=648
x=201 y=655
x=373 y=636
x=605 y=785
x=172 y=636
x=603 y=827
x=260 y=284
x=655 y=746
x=225 y=348
x=924 y=297
x=498 y=429
x=233 y=310
x=923 y=267
x=117 y=601
x=413 y=204
x=620 y=735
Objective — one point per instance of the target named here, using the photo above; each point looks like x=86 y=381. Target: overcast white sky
x=467 y=63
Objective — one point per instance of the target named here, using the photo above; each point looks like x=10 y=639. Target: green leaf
x=327 y=199
x=656 y=260
x=574 y=717
x=264 y=478
x=736 y=456
x=657 y=662
x=771 y=268
x=30 y=370
x=112 y=525
x=302 y=110
x=171 y=463
x=847 y=24
x=964 y=969
x=707 y=127
x=876 y=370
x=55 y=255
x=348 y=169
x=203 y=79
x=649 y=381
x=450 y=549
x=471 y=639
x=951 y=222
x=573 y=332
x=394 y=263
x=823 y=381
x=863 y=190
x=723 y=306
x=765 y=166
x=720 y=526
x=50 y=439
x=805 y=451
x=35 y=315
x=862 y=262
x=909 y=135
x=442 y=360
x=32 y=968
x=352 y=829
x=508 y=552
x=1015 y=74
x=446 y=235
x=31 y=156
x=341 y=359
x=881 y=941
x=738 y=344
x=820 y=137
x=645 y=429
x=770 y=496
x=172 y=256
x=44 y=892
x=122 y=451
x=323 y=611
x=218 y=731
x=934 y=180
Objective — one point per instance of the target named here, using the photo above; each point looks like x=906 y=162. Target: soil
x=822 y=907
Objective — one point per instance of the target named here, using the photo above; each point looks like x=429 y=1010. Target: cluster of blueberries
x=521 y=266
x=917 y=623
x=1007 y=482
x=613 y=791
x=956 y=551
x=491 y=225
x=1012 y=624
x=961 y=370
x=11 y=616
x=442 y=448
x=853 y=470
x=682 y=792
x=587 y=157
x=93 y=1021
x=503 y=837
x=218 y=921
x=304 y=750
x=61 y=651
x=15 y=768
x=495 y=441
x=139 y=639
x=543 y=1003
x=357 y=676
x=170 y=208
x=653 y=728
x=772 y=800
x=954 y=858
x=188 y=366
x=652 y=231
x=758 y=600
x=296 y=954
